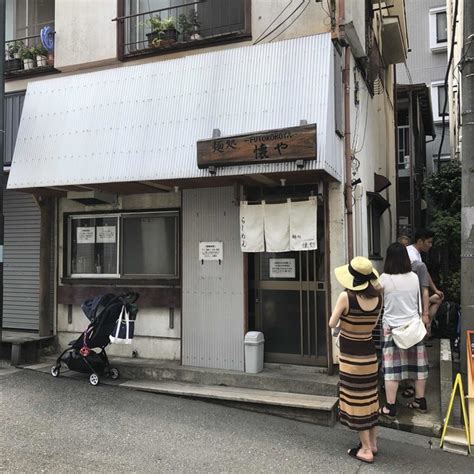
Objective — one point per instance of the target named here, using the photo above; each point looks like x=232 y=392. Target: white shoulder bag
x=411 y=333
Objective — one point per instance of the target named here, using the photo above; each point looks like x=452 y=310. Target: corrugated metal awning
x=142 y=122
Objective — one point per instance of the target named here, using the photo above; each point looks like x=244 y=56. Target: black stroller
x=103 y=313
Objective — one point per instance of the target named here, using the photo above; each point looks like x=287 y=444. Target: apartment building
x=170 y=146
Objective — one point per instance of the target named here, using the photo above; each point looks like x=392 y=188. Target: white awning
x=142 y=122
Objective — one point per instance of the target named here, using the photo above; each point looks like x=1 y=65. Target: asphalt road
x=66 y=425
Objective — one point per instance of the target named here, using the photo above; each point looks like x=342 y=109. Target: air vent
x=92 y=198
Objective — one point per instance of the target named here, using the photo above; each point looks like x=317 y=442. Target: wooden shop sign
x=271 y=146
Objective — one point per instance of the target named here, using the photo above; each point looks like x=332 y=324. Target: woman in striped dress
x=356 y=312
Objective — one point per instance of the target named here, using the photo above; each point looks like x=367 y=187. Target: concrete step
x=315 y=409
x=294 y=379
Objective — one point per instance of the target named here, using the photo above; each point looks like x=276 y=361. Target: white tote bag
x=124 y=329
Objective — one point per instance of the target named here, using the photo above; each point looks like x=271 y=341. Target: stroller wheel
x=114 y=373
x=94 y=379
x=55 y=370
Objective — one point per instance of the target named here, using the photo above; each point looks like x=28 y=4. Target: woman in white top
x=401 y=304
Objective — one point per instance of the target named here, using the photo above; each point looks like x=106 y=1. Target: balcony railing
x=27 y=57
x=188 y=25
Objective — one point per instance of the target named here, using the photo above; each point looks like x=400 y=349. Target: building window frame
x=438 y=40
x=119 y=253
x=435 y=102
x=122 y=25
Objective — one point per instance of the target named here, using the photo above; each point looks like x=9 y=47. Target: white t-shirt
x=414 y=254
x=401 y=298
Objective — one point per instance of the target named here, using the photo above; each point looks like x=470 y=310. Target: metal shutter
x=21 y=267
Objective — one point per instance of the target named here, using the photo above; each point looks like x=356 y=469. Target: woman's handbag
x=124 y=329
x=410 y=334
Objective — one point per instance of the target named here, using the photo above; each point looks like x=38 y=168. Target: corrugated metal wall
x=213 y=294
x=13 y=108
x=21 y=267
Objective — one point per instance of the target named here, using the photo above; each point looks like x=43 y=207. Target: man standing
x=422 y=243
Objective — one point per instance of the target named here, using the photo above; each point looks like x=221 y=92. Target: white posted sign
x=211 y=251
x=282 y=268
x=106 y=234
x=85 y=235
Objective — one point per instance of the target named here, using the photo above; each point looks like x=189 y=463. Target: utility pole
x=467 y=199
x=2 y=151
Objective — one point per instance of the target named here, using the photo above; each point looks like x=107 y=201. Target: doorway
x=288 y=302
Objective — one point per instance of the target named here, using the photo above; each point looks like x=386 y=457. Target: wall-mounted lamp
x=282 y=181
x=176 y=189
x=212 y=170
x=355 y=182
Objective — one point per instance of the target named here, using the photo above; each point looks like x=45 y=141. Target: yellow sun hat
x=357 y=274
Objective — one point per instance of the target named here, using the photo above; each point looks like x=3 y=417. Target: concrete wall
x=153 y=337
x=84 y=32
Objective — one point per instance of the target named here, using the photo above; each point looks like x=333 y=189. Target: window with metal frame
x=438 y=23
x=150 y=27
x=123 y=245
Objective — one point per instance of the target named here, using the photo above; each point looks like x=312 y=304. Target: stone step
x=272 y=378
x=316 y=409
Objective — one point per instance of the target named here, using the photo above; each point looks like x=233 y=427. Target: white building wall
x=84 y=32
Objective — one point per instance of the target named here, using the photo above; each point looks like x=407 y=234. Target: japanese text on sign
x=211 y=251
x=282 y=268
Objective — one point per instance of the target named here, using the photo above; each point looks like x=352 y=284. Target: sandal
x=373 y=452
x=409 y=392
x=389 y=411
x=419 y=404
x=354 y=453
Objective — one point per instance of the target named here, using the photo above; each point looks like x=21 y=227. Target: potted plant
x=28 y=56
x=189 y=25
x=41 y=55
x=12 y=56
x=163 y=32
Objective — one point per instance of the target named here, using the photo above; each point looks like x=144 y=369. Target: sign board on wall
x=211 y=251
x=282 y=268
x=271 y=146
x=85 y=235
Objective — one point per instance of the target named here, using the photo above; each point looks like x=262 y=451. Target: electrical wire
x=275 y=19
x=261 y=38
x=294 y=20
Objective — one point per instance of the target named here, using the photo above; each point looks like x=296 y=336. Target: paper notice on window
x=251 y=227
x=106 y=234
x=85 y=235
x=282 y=268
x=277 y=227
x=303 y=225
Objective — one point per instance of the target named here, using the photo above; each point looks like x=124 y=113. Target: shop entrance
x=287 y=302
x=290 y=307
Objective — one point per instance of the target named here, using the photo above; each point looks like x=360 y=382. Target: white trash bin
x=253 y=343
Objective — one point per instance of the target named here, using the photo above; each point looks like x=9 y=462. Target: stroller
x=103 y=313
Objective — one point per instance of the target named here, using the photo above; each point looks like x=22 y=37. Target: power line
x=302 y=11
x=275 y=19
x=281 y=23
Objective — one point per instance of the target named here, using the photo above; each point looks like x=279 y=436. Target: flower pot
x=13 y=64
x=28 y=63
x=41 y=61
x=159 y=39
x=16 y=55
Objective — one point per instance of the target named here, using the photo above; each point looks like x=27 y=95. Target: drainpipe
x=348 y=154
x=347 y=129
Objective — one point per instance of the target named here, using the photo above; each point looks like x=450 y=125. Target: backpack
x=446 y=322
